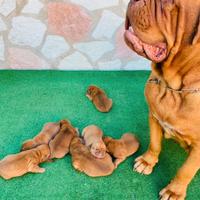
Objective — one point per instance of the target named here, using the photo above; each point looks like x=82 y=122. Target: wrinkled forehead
x=152 y=6
x=146 y=19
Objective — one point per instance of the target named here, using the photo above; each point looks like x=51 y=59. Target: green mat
x=28 y=99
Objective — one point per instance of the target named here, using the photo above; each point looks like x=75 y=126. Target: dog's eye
x=133 y=1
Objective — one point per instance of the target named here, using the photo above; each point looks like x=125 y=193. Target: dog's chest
x=169 y=130
x=163 y=107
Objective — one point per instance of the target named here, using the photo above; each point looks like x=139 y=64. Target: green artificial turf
x=28 y=99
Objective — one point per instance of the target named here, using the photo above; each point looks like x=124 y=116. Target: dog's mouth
x=156 y=52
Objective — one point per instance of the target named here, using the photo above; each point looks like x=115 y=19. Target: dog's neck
x=183 y=71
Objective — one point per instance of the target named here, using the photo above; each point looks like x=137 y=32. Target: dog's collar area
x=166 y=126
x=158 y=82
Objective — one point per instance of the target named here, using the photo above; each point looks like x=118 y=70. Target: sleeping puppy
x=99 y=99
x=92 y=136
x=27 y=161
x=122 y=148
x=59 y=146
x=84 y=161
x=47 y=133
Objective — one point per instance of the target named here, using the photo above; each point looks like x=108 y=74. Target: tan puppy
x=84 y=161
x=27 y=161
x=168 y=33
x=92 y=136
x=59 y=146
x=47 y=133
x=99 y=99
x=122 y=148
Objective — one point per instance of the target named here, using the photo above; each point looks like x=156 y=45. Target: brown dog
x=27 y=161
x=47 y=133
x=92 y=136
x=59 y=146
x=122 y=148
x=168 y=33
x=84 y=161
x=99 y=99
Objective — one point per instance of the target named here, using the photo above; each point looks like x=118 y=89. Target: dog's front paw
x=145 y=163
x=173 y=191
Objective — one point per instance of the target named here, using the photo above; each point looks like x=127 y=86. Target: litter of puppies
x=92 y=153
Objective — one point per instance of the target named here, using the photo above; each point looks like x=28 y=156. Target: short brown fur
x=122 y=148
x=27 y=161
x=48 y=132
x=59 y=146
x=84 y=161
x=92 y=136
x=99 y=99
x=173 y=102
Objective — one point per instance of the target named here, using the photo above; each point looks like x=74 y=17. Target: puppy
x=92 y=136
x=59 y=146
x=47 y=133
x=84 y=161
x=99 y=99
x=27 y=161
x=122 y=148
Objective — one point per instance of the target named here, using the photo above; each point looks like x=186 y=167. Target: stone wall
x=66 y=35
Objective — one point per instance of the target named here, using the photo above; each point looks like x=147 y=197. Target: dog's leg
x=145 y=163
x=178 y=187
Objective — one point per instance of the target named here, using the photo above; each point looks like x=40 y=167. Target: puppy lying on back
x=92 y=136
x=122 y=148
x=84 y=161
x=48 y=131
x=59 y=146
x=99 y=99
x=27 y=161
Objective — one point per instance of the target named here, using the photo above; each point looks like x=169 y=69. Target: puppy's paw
x=27 y=145
x=145 y=163
x=49 y=160
x=77 y=166
x=36 y=169
x=173 y=191
x=41 y=170
x=118 y=161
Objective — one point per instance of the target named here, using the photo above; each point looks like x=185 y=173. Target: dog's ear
x=196 y=38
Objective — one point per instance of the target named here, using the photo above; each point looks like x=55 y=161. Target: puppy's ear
x=196 y=38
x=107 y=150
